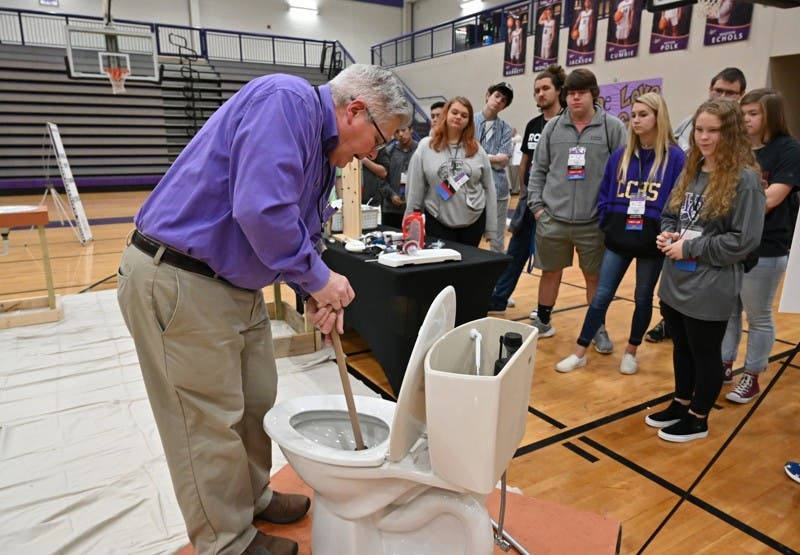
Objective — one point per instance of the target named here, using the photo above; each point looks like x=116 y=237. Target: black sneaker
x=667 y=417
x=658 y=333
x=689 y=428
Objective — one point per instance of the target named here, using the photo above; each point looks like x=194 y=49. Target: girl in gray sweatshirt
x=712 y=221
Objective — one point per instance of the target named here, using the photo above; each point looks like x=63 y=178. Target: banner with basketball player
x=727 y=21
x=670 y=30
x=581 y=43
x=514 y=56
x=624 y=26
x=548 y=22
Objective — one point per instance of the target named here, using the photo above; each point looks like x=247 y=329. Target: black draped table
x=391 y=303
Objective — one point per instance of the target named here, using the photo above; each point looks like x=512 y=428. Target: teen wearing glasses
x=712 y=221
x=450 y=179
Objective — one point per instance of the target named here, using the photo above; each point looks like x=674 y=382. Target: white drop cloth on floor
x=81 y=464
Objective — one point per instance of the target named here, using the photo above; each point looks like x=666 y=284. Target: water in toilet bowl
x=333 y=429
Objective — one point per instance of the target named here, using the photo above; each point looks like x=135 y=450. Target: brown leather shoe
x=285 y=508
x=263 y=544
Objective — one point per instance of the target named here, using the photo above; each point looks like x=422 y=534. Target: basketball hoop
x=708 y=9
x=117 y=76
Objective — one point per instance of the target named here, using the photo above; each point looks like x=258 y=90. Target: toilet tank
x=476 y=421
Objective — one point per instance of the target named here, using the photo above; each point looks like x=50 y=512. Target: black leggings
x=696 y=358
x=470 y=235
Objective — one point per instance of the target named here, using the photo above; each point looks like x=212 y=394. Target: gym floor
x=586 y=443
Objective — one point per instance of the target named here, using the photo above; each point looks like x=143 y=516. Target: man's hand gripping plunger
x=326 y=306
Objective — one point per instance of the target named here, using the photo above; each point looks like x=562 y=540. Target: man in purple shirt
x=242 y=207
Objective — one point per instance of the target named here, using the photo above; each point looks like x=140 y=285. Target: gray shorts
x=556 y=241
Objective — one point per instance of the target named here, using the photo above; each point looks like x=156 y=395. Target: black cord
x=96 y=283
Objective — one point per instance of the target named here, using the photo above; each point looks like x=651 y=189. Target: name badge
x=403 y=178
x=688 y=264
x=576 y=163
x=457 y=181
x=634 y=224
x=636 y=206
x=445 y=191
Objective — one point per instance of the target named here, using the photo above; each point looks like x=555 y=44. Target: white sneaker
x=629 y=364
x=510 y=303
x=571 y=363
x=534 y=314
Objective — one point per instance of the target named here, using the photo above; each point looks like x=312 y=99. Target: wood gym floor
x=586 y=444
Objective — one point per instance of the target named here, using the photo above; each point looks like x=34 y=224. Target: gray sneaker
x=602 y=343
x=545 y=330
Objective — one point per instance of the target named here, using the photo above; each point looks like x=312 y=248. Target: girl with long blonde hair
x=712 y=221
x=637 y=182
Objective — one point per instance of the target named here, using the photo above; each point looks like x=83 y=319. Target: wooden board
x=30 y=311
x=305 y=340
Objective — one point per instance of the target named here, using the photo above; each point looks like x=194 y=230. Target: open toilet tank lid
x=409 y=416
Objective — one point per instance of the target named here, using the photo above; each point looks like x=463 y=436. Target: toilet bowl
x=430 y=459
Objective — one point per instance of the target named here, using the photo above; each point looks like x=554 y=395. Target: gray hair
x=377 y=87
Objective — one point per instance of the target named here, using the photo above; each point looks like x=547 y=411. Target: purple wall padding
x=11 y=185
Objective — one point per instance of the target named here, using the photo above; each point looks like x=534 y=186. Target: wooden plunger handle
x=348 y=392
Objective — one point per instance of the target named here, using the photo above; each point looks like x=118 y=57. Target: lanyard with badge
x=636 y=206
x=690 y=232
x=455 y=179
x=576 y=163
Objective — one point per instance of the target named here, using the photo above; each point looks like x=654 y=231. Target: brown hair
x=439 y=133
x=557 y=76
x=582 y=80
x=773 y=110
x=733 y=154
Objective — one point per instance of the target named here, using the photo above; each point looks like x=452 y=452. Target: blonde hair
x=733 y=154
x=664 y=138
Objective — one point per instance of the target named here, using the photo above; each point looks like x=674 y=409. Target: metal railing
x=462 y=33
x=33 y=28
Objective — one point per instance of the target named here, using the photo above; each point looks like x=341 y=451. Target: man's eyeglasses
x=378 y=146
x=725 y=93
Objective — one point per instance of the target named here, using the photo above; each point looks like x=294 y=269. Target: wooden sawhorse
x=32 y=310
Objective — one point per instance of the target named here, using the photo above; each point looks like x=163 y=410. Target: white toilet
x=431 y=459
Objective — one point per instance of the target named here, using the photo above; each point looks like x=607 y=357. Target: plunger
x=348 y=391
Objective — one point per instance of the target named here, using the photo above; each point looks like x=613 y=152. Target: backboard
x=92 y=50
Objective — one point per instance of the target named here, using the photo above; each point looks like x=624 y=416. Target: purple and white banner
x=547 y=26
x=670 y=30
x=582 y=36
x=624 y=25
x=514 y=57
x=617 y=98
x=730 y=22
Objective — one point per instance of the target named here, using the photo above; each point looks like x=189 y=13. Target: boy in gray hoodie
x=568 y=167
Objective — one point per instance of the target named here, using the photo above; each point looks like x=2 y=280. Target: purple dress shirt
x=247 y=194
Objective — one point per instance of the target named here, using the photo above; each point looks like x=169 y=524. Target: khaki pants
x=205 y=349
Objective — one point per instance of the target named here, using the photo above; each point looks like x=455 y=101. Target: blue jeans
x=612 y=271
x=758 y=291
x=519 y=249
